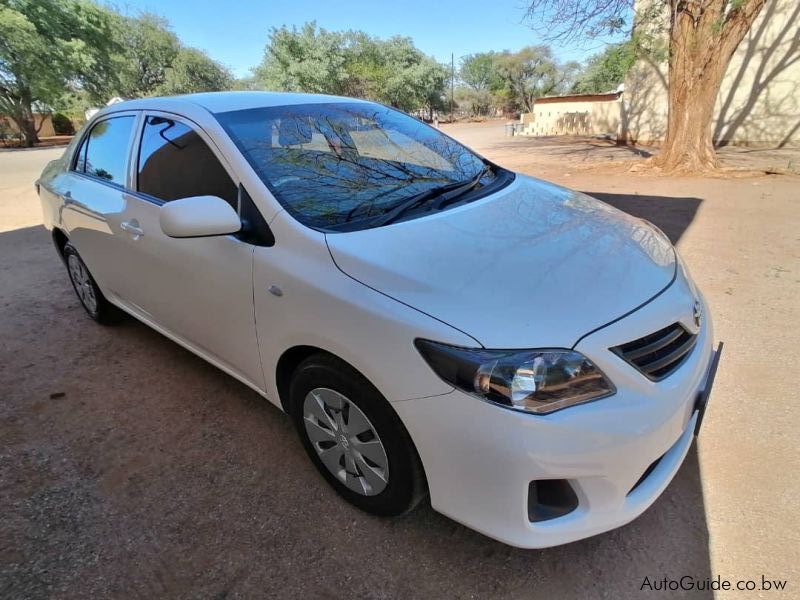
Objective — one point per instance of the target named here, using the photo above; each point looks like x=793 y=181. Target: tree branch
x=576 y=20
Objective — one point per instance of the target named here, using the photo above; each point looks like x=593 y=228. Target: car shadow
x=672 y=215
x=120 y=444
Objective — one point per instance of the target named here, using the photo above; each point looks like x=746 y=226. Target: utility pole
x=452 y=84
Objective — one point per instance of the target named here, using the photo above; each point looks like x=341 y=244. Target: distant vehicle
x=533 y=358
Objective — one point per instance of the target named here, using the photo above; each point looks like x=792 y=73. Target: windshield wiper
x=455 y=193
x=446 y=193
x=415 y=199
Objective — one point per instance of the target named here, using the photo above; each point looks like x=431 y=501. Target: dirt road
x=131 y=468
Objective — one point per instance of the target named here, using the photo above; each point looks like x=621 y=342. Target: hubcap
x=345 y=441
x=82 y=282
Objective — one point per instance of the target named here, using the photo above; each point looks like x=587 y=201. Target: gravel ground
x=131 y=468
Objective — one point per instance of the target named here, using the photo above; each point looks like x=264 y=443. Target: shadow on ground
x=130 y=467
x=672 y=215
x=577 y=149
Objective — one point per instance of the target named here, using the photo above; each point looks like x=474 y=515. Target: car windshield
x=341 y=166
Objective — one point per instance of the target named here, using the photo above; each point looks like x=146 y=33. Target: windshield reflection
x=342 y=163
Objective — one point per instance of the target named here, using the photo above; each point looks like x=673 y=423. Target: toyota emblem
x=697 y=313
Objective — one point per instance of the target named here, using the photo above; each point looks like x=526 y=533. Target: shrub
x=62 y=124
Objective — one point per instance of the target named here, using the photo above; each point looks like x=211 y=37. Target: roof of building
x=608 y=96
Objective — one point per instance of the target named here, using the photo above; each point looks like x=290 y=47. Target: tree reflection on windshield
x=337 y=163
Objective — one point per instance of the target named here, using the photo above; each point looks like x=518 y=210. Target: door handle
x=133 y=228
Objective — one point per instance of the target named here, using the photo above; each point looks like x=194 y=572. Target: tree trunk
x=25 y=120
x=703 y=36
x=693 y=90
x=30 y=136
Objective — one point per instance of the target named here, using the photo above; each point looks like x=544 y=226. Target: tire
x=360 y=478
x=92 y=299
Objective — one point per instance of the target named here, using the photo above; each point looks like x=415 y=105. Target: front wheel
x=354 y=437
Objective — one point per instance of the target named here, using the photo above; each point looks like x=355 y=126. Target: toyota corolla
x=534 y=360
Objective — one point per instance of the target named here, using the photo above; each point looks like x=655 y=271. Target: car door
x=199 y=290
x=93 y=194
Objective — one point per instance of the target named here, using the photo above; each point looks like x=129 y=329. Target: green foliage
x=479 y=71
x=351 y=63
x=193 y=71
x=74 y=102
x=73 y=54
x=47 y=44
x=304 y=60
x=474 y=102
x=147 y=49
x=62 y=125
x=605 y=71
x=532 y=73
x=243 y=84
x=153 y=61
x=511 y=81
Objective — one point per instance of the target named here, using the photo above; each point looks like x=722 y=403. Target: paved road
x=131 y=468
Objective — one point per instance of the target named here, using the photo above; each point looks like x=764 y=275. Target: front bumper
x=480 y=459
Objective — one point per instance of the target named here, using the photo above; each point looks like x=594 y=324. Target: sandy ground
x=131 y=468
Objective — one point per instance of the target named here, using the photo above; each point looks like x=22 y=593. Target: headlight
x=536 y=381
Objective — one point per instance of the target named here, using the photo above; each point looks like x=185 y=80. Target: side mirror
x=198 y=216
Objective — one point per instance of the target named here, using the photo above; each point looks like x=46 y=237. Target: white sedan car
x=535 y=360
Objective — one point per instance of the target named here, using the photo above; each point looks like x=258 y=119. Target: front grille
x=657 y=355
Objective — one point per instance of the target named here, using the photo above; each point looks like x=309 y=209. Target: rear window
x=104 y=152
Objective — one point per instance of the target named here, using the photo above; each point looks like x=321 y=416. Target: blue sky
x=235 y=32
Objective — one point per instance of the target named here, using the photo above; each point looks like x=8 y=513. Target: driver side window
x=175 y=162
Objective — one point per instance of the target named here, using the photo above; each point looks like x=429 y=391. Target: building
x=759 y=100
x=758 y=103
x=42 y=121
x=90 y=112
x=577 y=114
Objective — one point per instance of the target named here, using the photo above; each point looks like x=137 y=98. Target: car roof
x=219 y=102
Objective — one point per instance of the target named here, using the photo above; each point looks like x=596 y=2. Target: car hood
x=533 y=265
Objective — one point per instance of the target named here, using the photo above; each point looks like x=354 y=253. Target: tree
x=153 y=61
x=193 y=71
x=351 y=63
x=412 y=80
x=531 y=73
x=473 y=102
x=569 y=73
x=604 y=72
x=147 y=49
x=304 y=60
x=74 y=102
x=479 y=71
x=245 y=84
x=46 y=45
x=512 y=81
x=702 y=36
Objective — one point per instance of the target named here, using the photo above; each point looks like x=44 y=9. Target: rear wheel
x=92 y=299
x=354 y=437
